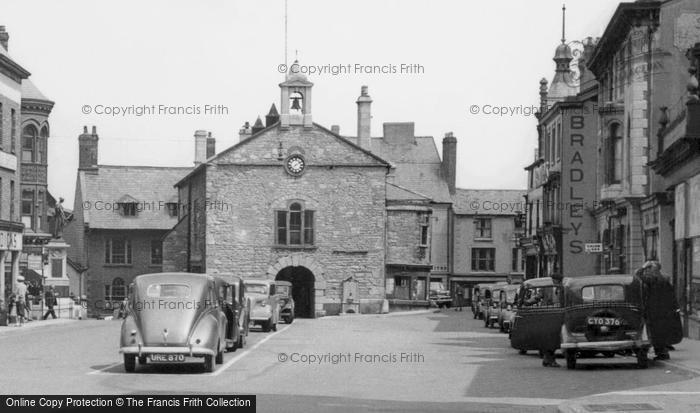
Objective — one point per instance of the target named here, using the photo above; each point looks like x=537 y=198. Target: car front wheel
x=129 y=362
x=219 y=357
x=570 y=359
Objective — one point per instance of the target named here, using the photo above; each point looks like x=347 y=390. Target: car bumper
x=146 y=350
x=606 y=345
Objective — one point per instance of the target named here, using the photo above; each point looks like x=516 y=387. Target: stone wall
x=404 y=235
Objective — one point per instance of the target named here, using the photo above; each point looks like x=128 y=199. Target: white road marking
x=243 y=354
x=104 y=369
x=214 y=373
x=649 y=393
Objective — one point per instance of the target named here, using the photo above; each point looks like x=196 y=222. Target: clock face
x=295 y=164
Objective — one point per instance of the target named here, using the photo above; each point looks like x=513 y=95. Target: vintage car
x=237 y=309
x=539 y=315
x=603 y=314
x=492 y=307
x=173 y=318
x=284 y=289
x=439 y=296
x=264 y=303
x=507 y=298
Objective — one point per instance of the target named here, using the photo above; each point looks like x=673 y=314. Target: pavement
x=12 y=329
x=677 y=397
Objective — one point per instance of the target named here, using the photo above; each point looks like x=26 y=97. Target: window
x=27 y=209
x=115 y=291
x=424 y=235
x=483 y=259
x=41 y=145
x=2 y=120
x=614 y=159
x=56 y=268
x=603 y=293
x=651 y=239
x=515 y=261
x=168 y=291
x=172 y=209
x=13 y=129
x=482 y=228
x=12 y=200
x=294 y=226
x=128 y=209
x=39 y=210
x=117 y=251
x=29 y=138
x=156 y=252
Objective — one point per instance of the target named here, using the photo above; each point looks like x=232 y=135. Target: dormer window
x=128 y=206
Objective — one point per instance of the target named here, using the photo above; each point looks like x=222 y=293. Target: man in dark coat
x=660 y=310
x=50 y=302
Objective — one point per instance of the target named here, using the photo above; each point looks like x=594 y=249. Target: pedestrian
x=460 y=297
x=20 y=292
x=661 y=311
x=50 y=301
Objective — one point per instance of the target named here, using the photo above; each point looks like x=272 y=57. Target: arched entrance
x=303 y=291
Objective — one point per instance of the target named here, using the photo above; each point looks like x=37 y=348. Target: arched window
x=29 y=138
x=614 y=155
x=115 y=291
x=41 y=145
x=295 y=225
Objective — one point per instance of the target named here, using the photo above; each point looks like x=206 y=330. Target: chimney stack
x=245 y=132
x=87 y=152
x=211 y=146
x=4 y=38
x=272 y=117
x=364 y=118
x=335 y=129
x=200 y=147
x=449 y=160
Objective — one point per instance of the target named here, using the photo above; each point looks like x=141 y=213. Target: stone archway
x=293 y=266
x=303 y=290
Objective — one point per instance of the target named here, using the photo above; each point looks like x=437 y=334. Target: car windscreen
x=284 y=289
x=168 y=291
x=609 y=292
x=256 y=288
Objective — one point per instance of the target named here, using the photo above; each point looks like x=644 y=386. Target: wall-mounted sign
x=10 y=241
x=593 y=247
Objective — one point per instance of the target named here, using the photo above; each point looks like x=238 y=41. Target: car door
x=537 y=326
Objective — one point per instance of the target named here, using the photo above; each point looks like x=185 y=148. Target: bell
x=295 y=103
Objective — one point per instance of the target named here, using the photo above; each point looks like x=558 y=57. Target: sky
x=227 y=54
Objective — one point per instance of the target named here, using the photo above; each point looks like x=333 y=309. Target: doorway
x=303 y=291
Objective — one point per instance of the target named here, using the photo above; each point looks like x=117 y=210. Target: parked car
x=492 y=308
x=507 y=299
x=237 y=309
x=439 y=295
x=171 y=318
x=284 y=289
x=264 y=303
x=603 y=313
x=539 y=315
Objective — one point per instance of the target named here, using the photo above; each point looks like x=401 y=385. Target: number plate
x=166 y=358
x=604 y=321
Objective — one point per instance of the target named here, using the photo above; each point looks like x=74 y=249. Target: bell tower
x=295 y=101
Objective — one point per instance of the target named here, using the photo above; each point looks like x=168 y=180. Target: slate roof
x=151 y=186
x=489 y=201
x=418 y=166
x=399 y=193
x=30 y=91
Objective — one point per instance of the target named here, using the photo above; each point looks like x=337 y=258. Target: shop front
x=10 y=251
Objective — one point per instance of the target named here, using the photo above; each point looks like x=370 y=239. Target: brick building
x=487 y=225
x=11 y=227
x=121 y=214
